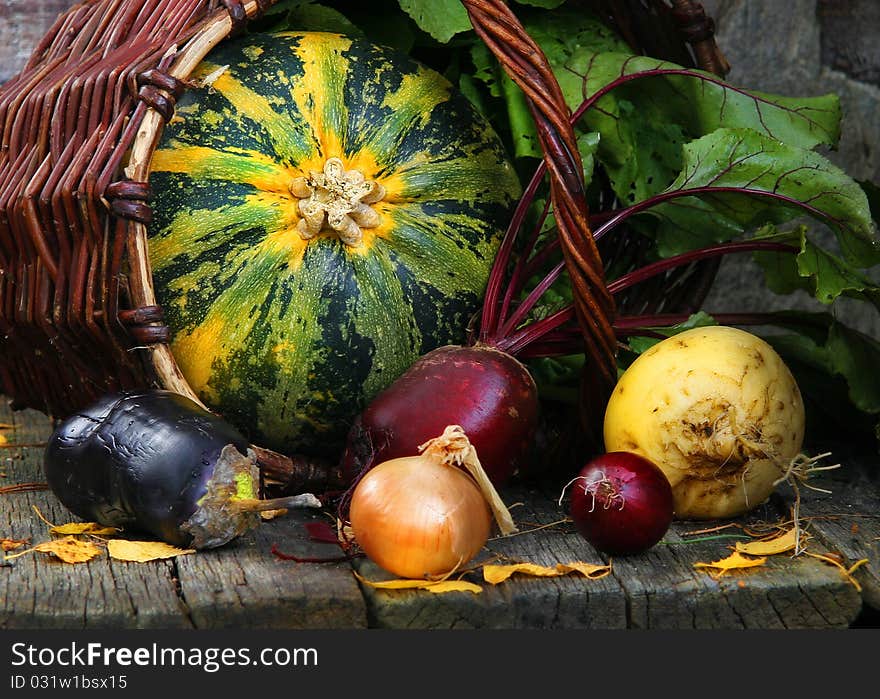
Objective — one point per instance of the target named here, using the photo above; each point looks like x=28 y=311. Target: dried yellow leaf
x=769 y=547
x=588 y=570
x=2 y=439
x=12 y=544
x=69 y=549
x=267 y=515
x=846 y=572
x=495 y=574
x=435 y=586
x=143 y=551
x=77 y=528
x=734 y=561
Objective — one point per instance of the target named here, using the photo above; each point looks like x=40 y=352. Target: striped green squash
x=325 y=211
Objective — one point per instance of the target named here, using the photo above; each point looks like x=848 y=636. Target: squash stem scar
x=338 y=199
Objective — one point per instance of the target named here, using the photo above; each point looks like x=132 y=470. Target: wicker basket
x=78 y=317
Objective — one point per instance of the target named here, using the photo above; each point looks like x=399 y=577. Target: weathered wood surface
x=244 y=585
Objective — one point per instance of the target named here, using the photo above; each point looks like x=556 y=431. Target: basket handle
x=526 y=64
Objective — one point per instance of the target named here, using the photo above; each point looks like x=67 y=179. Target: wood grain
x=244 y=585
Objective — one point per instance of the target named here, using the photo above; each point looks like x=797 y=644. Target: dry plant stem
x=297 y=473
x=537 y=527
x=312 y=559
x=23 y=488
x=292 y=502
x=454 y=449
x=798 y=471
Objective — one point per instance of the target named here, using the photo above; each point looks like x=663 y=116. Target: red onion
x=621 y=503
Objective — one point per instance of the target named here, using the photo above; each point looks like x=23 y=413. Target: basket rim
x=499 y=27
x=211 y=32
x=105 y=198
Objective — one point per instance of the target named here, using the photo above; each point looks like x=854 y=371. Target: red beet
x=489 y=393
x=621 y=503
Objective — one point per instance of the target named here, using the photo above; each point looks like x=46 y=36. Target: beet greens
x=681 y=169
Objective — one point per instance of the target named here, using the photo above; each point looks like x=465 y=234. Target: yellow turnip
x=717 y=409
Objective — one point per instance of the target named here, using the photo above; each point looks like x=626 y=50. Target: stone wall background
x=793 y=47
x=805 y=47
x=22 y=24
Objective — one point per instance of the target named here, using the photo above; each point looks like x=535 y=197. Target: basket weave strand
x=69 y=120
x=528 y=67
x=78 y=126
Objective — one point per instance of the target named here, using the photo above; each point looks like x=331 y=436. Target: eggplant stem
x=304 y=500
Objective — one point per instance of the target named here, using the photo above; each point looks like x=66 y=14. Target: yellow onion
x=422 y=516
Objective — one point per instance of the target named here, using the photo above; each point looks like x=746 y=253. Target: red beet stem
x=502 y=258
x=664 y=265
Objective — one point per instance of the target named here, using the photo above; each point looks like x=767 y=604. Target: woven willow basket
x=79 y=124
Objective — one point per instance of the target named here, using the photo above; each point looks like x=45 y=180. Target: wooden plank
x=38 y=591
x=242 y=585
x=847 y=520
x=658 y=589
x=666 y=591
x=568 y=602
x=795 y=592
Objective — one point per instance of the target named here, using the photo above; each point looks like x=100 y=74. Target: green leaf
x=645 y=121
x=568 y=31
x=394 y=30
x=557 y=378
x=814 y=269
x=775 y=182
x=559 y=34
x=442 y=19
x=872 y=191
x=486 y=68
x=703 y=102
x=833 y=350
x=522 y=123
x=282 y=7
x=588 y=144
x=320 y=18
x=469 y=89
x=274 y=19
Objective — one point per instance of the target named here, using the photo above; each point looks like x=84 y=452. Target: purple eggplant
x=156 y=462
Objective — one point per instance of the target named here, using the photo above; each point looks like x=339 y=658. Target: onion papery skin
x=417 y=518
x=488 y=392
x=621 y=503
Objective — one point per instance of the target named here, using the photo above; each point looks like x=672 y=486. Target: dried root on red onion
x=621 y=503
x=425 y=516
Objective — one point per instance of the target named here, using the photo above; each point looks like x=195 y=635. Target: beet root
x=489 y=393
